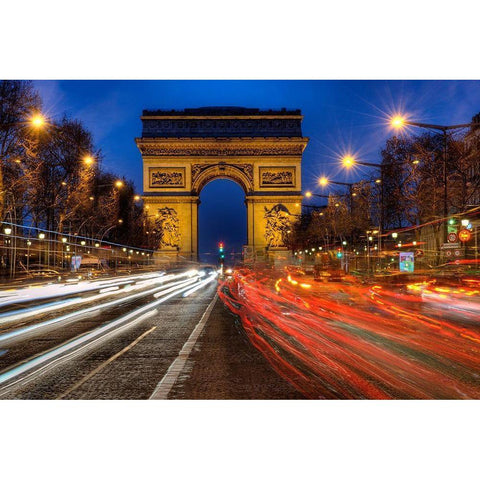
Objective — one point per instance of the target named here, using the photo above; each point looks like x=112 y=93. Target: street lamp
x=88 y=160
x=7 y=231
x=37 y=120
x=400 y=121
x=349 y=161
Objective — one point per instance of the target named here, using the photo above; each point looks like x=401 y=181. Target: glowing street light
x=37 y=120
x=7 y=231
x=348 y=161
x=397 y=122
x=136 y=198
x=88 y=160
x=323 y=181
x=64 y=239
x=394 y=235
x=41 y=236
x=119 y=184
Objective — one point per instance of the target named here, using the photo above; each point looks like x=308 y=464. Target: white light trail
x=25 y=330
x=74 y=347
x=111 y=288
x=200 y=285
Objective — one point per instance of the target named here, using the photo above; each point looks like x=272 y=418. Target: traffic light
x=339 y=253
x=221 y=254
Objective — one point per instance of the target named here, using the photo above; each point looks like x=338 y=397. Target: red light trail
x=347 y=340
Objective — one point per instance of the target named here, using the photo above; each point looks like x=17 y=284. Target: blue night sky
x=339 y=117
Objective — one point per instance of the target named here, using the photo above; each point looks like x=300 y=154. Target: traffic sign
x=449 y=245
x=419 y=253
x=452 y=237
x=457 y=253
x=464 y=235
x=448 y=253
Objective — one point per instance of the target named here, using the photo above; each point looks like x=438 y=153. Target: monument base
x=279 y=256
x=250 y=253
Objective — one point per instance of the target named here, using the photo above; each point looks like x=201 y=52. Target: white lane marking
x=168 y=381
x=104 y=364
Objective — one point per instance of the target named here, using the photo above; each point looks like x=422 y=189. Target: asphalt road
x=188 y=348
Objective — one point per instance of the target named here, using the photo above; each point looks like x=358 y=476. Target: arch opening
x=222 y=216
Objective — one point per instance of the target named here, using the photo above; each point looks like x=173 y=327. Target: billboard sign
x=406 y=262
x=76 y=261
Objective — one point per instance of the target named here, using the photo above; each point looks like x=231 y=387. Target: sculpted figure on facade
x=167 y=225
x=278 y=224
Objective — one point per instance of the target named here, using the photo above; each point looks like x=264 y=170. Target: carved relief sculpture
x=246 y=168
x=277 y=176
x=176 y=149
x=278 y=224
x=167 y=177
x=167 y=224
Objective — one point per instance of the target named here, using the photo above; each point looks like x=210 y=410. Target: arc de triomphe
x=182 y=151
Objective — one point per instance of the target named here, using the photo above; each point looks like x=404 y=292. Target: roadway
x=146 y=336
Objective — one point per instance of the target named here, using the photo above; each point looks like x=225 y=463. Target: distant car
x=456 y=273
x=325 y=273
x=207 y=270
x=309 y=269
x=44 y=273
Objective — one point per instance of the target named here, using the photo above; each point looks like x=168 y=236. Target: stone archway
x=183 y=151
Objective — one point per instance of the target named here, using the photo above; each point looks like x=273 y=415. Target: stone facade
x=183 y=151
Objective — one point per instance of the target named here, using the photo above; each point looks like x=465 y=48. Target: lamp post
x=41 y=237
x=398 y=122
x=348 y=161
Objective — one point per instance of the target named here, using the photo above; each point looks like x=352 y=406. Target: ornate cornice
x=158 y=147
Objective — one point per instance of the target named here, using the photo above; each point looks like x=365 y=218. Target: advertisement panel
x=406 y=261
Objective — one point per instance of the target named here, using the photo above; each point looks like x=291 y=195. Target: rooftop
x=219 y=111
